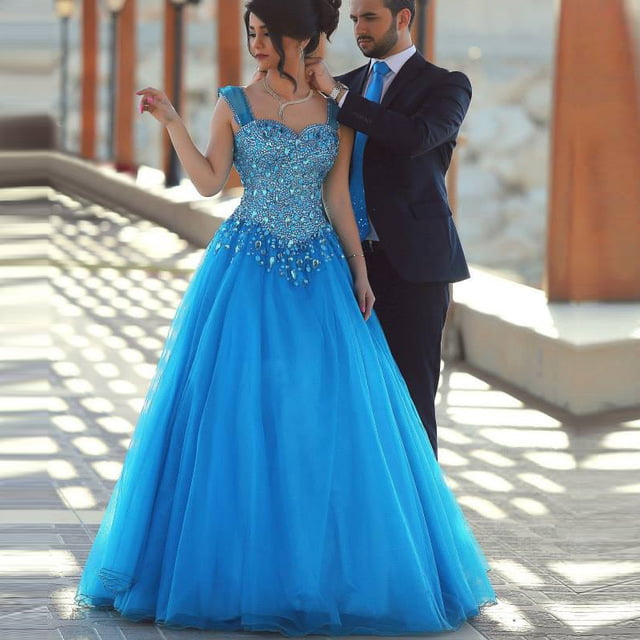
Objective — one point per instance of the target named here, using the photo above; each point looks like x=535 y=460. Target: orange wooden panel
x=169 y=64
x=594 y=215
x=431 y=31
x=89 y=78
x=230 y=45
x=169 y=50
x=126 y=87
x=430 y=18
x=230 y=42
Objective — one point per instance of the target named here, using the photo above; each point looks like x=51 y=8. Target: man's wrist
x=338 y=91
x=342 y=97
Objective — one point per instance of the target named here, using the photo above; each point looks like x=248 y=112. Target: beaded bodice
x=281 y=218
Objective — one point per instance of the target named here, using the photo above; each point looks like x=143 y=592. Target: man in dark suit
x=406 y=113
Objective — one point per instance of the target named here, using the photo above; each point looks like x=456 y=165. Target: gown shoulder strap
x=237 y=100
x=332 y=109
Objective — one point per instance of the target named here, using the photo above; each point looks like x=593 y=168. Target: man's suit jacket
x=411 y=138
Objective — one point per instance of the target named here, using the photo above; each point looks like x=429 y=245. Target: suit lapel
x=360 y=79
x=411 y=68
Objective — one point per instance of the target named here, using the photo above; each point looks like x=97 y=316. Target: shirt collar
x=397 y=60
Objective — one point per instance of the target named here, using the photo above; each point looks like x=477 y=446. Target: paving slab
x=85 y=309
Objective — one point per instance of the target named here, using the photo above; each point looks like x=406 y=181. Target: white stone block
x=501 y=128
x=524 y=167
x=538 y=99
x=582 y=357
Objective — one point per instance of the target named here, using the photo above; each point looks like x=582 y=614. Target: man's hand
x=318 y=75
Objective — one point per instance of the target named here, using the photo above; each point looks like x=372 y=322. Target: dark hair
x=396 y=6
x=299 y=19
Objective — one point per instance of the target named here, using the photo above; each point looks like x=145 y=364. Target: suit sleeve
x=436 y=121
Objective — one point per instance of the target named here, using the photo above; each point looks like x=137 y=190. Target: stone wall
x=507 y=50
x=505 y=46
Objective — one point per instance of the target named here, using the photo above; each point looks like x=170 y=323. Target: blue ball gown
x=279 y=477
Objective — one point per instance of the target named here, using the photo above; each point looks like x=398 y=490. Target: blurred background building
x=505 y=46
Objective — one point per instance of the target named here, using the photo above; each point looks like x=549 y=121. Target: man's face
x=374 y=27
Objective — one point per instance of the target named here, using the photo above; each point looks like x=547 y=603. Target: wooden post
x=230 y=45
x=229 y=42
x=89 y=78
x=125 y=88
x=169 y=62
x=594 y=214
x=426 y=20
x=452 y=176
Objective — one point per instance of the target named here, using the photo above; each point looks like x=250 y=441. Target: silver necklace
x=282 y=104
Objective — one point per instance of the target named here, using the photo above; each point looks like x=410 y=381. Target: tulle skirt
x=279 y=477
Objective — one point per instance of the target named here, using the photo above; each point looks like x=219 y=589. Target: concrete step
x=581 y=357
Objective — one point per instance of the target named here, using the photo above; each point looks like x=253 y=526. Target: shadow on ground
x=87 y=297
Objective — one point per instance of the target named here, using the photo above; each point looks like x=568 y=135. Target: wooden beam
x=431 y=31
x=125 y=88
x=427 y=20
x=452 y=176
x=89 y=78
x=594 y=211
x=169 y=62
x=230 y=44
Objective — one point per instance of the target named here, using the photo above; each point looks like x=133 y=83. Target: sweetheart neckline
x=295 y=133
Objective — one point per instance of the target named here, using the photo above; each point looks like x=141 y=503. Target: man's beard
x=385 y=44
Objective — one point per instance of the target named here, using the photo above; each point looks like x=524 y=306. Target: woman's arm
x=208 y=171
x=337 y=201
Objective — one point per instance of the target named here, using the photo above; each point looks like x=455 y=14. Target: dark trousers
x=412 y=316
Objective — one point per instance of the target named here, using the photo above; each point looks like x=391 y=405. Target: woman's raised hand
x=157 y=104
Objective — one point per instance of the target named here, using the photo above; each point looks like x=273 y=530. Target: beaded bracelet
x=355 y=255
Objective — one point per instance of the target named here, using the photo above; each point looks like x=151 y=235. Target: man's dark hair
x=396 y=6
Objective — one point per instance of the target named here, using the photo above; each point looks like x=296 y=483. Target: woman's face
x=262 y=49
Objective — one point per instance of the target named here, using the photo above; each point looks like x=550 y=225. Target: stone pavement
x=86 y=299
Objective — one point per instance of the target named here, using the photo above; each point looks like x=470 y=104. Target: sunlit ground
x=87 y=297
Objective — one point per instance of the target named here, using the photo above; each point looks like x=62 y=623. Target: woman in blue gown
x=279 y=477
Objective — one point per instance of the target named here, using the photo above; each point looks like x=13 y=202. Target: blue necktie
x=356 y=181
